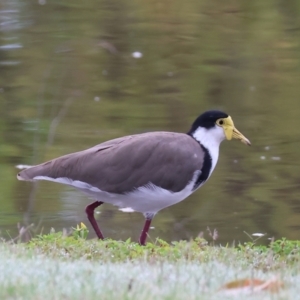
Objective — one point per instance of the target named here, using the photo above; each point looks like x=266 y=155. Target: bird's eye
x=220 y=122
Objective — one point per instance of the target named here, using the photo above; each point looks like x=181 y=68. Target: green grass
x=56 y=266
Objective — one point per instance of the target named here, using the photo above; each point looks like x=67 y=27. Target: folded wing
x=165 y=159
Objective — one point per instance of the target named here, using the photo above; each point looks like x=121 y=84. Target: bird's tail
x=30 y=173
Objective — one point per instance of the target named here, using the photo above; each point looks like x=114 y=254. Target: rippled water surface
x=74 y=74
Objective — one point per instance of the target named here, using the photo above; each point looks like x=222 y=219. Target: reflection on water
x=74 y=75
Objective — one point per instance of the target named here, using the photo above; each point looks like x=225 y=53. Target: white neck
x=210 y=139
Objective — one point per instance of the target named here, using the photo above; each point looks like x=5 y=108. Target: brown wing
x=165 y=159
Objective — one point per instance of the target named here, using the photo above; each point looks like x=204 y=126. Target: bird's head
x=216 y=126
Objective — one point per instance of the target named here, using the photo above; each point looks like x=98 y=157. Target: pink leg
x=145 y=230
x=90 y=214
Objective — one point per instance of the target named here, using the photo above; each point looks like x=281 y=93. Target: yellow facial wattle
x=230 y=131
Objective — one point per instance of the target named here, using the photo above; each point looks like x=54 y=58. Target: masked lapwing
x=144 y=172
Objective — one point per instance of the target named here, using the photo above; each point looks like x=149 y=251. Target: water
x=74 y=75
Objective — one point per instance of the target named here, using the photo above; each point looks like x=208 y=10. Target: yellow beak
x=232 y=132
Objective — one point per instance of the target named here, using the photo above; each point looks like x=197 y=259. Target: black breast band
x=207 y=164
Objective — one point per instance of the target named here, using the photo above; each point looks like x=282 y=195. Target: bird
x=144 y=172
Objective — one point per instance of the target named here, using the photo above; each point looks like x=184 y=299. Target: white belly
x=146 y=199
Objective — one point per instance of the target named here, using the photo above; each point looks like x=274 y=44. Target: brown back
x=166 y=159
